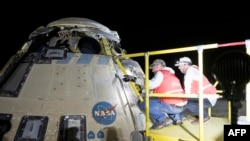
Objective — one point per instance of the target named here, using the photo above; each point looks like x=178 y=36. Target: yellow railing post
x=201 y=117
x=147 y=93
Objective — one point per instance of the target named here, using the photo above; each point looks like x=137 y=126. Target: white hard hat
x=184 y=60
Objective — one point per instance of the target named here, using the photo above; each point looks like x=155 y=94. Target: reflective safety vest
x=171 y=85
x=208 y=88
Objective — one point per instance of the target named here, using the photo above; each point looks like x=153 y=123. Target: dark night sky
x=141 y=29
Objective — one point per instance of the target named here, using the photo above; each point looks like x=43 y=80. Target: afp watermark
x=236 y=132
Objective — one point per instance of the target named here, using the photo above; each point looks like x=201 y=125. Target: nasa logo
x=104 y=113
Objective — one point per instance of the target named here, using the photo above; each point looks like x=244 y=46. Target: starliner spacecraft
x=69 y=83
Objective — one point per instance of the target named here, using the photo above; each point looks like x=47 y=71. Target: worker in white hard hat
x=191 y=86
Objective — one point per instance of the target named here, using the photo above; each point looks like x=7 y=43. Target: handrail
x=200 y=49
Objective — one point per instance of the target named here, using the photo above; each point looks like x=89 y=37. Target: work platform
x=213 y=131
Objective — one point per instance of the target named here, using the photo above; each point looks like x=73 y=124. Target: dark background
x=141 y=28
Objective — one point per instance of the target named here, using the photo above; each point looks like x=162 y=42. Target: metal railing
x=199 y=49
